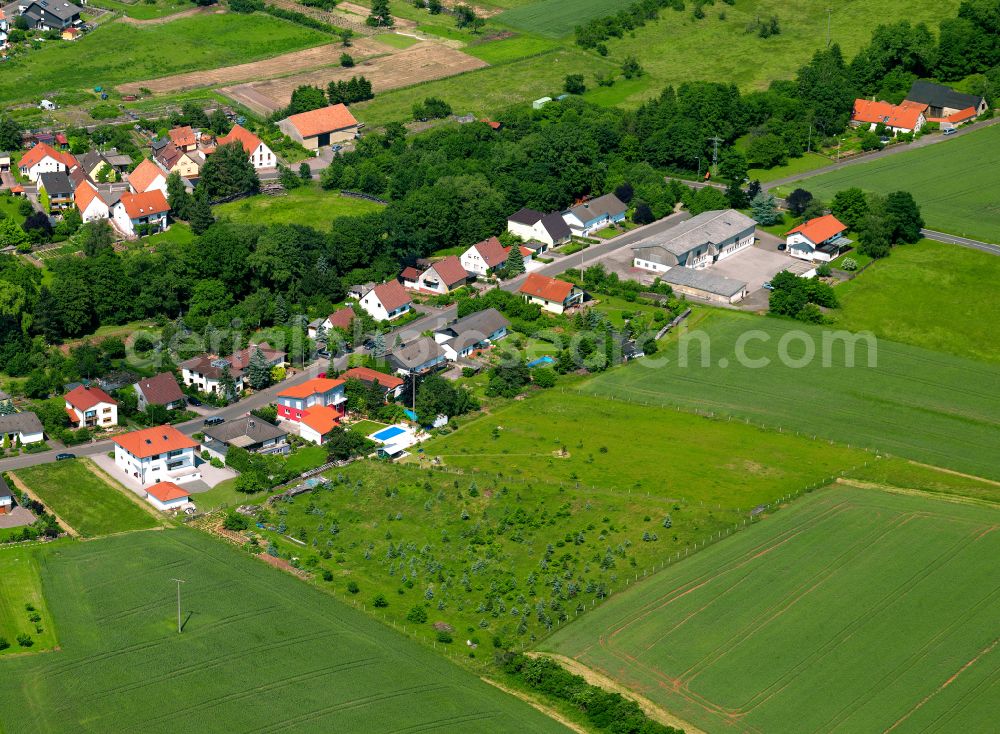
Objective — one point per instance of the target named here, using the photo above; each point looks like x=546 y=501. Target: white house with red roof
x=820 y=239
x=340 y=319
x=43 y=158
x=161 y=389
x=204 y=373
x=260 y=155
x=295 y=402
x=907 y=117
x=133 y=212
x=167 y=496
x=484 y=256
x=91 y=407
x=157 y=454
x=443 y=276
x=553 y=295
x=387 y=301
x=318 y=422
x=147 y=176
x=90 y=202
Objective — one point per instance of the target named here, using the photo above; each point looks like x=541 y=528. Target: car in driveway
x=64 y=456
x=195 y=402
x=768 y=286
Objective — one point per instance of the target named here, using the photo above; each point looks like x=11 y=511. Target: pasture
x=956 y=193
x=121 y=52
x=260 y=652
x=928 y=295
x=21 y=588
x=308 y=203
x=877 y=609
x=625 y=447
x=554 y=18
x=922 y=405
x=86 y=501
x=499 y=560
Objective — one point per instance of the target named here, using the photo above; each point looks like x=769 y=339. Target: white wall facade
x=159 y=468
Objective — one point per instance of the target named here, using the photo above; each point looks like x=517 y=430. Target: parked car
x=195 y=402
x=782 y=247
x=214 y=420
x=63 y=457
x=768 y=286
x=950 y=131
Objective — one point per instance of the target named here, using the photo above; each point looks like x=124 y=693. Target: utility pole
x=179 y=582
x=715 y=155
x=829 y=15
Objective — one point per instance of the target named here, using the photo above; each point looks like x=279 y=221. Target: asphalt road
x=434 y=319
x=953 y=239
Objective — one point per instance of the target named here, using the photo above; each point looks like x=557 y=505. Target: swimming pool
x=388 y=433
x=541 y=360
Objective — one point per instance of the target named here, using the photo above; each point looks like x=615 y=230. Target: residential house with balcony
x=157 y=454
x=91 y=407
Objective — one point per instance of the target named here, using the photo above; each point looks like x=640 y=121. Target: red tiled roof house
x=167 y=496
x=134 y=213
x=392 y=384
x=296 y=401
x=157 y=454
x=907 y=117
x=443 y=276
x=551 y=294
x=257 y=151
x=204 y=373
x=43 y=158
x=91 y=407
x=386 y=302
x=820 y=239
x=318 y=128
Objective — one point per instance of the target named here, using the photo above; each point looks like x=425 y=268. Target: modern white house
x=529 y=224
x=594 y=214
x=320 y=392
x=387 y=301
x=259 y=154
x=478 y=330
x=157 y=454
x=91 y=407
x=819 y=239
x=133 y=214
x=22 y=428
x=167 y=496
x=697 y=242
x=317 y=424
x=555 y=296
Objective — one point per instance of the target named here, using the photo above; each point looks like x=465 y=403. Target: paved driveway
x=754 y=265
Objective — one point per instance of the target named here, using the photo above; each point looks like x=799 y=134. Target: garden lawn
x=930 y=295
x=20 y=586
x=88 y=503
x=261 y=651
x=120 y=52
x=878 y=609
x=307 y=203
x=366 y=428
x=223 y=495
x=922 y=405
x=955 y=191
x=306 y=458
x=623 y=447
x=807 y=162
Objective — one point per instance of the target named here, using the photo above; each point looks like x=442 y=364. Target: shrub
x=380 y=602
x=444 y=636
x=235 y=521
x=352 y=586
x=849 y=264
x=327 y=574
x=25 y=640
x=4 y=644
x=417 y=615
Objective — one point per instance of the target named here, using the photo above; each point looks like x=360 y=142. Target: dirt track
x=167 y=18
x=310 y=58
x=418 y=63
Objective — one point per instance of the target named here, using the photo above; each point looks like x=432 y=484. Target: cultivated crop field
x=956 y=192
x=878 y=610
x=918 y=404
x=555 y=18
x=260 y=652
x=121 y=52
x=891 y=299
x=88 y=503
x=304 y=204
x=21 y=601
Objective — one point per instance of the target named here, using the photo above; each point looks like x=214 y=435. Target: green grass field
x=366 y=428
x=260 y=652
x=21 y=587
x=143 y=10
x=89 y=504
x=907 y=475
x=879 y=610
x=918 y=404
x=118 y=52
x=956 y=192
x=891 y=298
x=554 y=18
x=305 y=204
x=625 y=447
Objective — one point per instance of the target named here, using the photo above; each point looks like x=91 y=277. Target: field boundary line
x=19 y=483
x=594 y=677
x=956 y=499
x=955 y=473
x=116 y=486
x=538 y=705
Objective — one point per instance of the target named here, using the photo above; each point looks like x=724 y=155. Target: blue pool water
x=541 y=360
x=386 y=433
x=411 y=415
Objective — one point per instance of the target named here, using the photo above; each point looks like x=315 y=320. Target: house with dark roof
x=549 y=229
x=49 y=15
x=696 y=242
x=419 y=357
x=555 y=296
x=594 y=214
x=161 y=389
x=443 y=276
x=318 y=128
x=942 y=101
x=392 y=384
x=250 y=432
x=821 y=238
x=386 y=301
x=91 y=407
x=204 y=373
x=24 y=428
x=478 y=330
x=58 y=189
